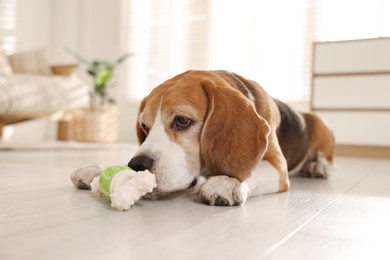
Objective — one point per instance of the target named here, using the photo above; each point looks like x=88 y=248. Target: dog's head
x=196 y=122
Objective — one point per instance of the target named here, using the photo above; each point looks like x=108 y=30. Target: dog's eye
x=181 y=123
x=145 y=128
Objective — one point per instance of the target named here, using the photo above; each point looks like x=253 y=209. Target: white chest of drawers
x=351 y=89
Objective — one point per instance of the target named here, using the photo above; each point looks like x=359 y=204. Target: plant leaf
x=77 y=56
x=111 y=100
x=91 y=72
x=102 y=77
x=123 y=58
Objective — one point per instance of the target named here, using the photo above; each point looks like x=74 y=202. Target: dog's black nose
x=140 y=163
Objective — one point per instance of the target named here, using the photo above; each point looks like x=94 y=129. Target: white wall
x=65 y=29
x=90 y=27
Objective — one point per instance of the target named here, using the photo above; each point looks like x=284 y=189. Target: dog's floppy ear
x=234 y=137
x=140 y=133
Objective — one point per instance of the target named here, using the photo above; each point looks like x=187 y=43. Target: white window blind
x=167 y=37
x=267 y=41
x=8 y=17
x=351 y=19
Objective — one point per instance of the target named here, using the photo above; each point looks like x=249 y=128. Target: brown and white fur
x=223 y=135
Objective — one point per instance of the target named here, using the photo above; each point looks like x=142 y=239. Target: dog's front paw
x=83 y=176
x=223 y=191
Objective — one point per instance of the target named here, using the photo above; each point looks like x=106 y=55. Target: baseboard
x=363 y=151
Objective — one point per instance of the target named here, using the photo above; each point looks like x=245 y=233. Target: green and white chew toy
x=122 y=185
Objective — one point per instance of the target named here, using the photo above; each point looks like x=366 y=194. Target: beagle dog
x=224 y=136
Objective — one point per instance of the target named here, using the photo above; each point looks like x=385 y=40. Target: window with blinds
x=7 y=24
x=267 y=41
x=166 y=37
x=337 y=20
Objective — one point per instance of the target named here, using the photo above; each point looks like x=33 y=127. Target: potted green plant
x=100 y=121
x=101 y=72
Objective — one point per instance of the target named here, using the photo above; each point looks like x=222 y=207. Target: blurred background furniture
x=351 y=90
x=31 y=89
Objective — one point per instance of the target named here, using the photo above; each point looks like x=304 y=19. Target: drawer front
x=352 y=92
x=361 y=128
x=370 y=55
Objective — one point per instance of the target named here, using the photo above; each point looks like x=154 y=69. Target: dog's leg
x=83 y=176
x=265 y=180
x=223 y=190
x=316 y=167
x=317 y=164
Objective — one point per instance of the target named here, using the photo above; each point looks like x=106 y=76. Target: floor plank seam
x=282 y=241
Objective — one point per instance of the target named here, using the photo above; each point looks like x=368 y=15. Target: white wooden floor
x=43 y=217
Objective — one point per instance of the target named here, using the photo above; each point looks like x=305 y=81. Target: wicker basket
x=100 y=125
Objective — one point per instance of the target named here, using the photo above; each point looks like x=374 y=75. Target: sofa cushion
x=5 y=68
x=31 y=62
x=22 y=94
